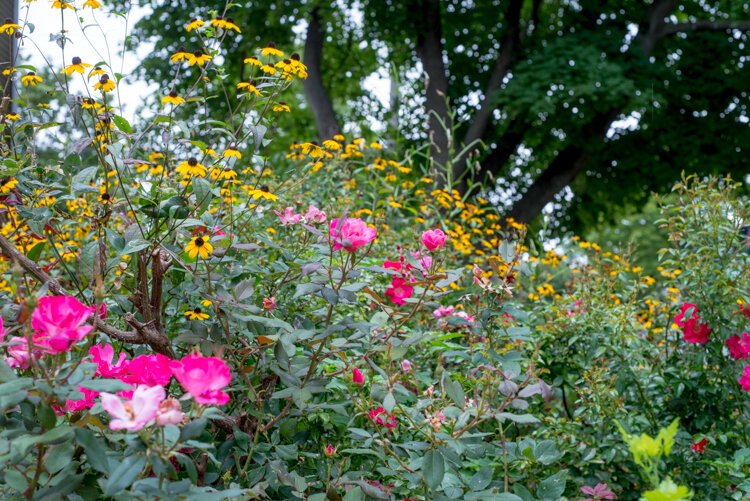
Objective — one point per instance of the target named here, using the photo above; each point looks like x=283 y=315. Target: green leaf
x=202 y=192
x=15 y=480
x=107 y=385
x=481 y=479
x=516 y=418
x=95 y=451
x=433 y=468
x=122 y=124
x=124 y=475
x=666 y=436
x=135 y=245
x=552 y=488
x=389 y=402
x=455 y=391
x=46 y=416
x=546 y=452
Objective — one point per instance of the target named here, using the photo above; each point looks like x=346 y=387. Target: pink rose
x=18 y=353
x=315 y=215
x=330 y=450
x=694 y=331
x=59 y=322
x=102 y=355
x=140 y=411
x=399 y=291
x=443 y=311
x=745 y=379
x=288 y=218
x=351 y=234
x=380 y=417
x=269 y=303
x=433 y=239
x=87 y=402
x=204 y=378
x=149 y=370
x=169 y=412
x=357 y=377
x=739 y=347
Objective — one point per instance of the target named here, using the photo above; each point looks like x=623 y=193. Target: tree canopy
x=591 y=105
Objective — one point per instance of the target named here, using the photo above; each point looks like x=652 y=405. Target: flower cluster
x=694 y=331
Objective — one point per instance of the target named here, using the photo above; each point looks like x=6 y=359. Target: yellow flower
x=339 y=137
x=181 y=55
x=12 y=116
x=262 y=192
x=191 y=167
x=281 y=106
x=59 y=4
x=254 y=61
x=31 y=79
x=225 y=24
x=105 y=84
x=267 y=68
x=7 y=185
x=199 y=246
x=207 y=303
x=271 y=50
x=199 y=58
x=196 y=314
x=194 y=24
x=77 y=66
x=96 y=72
x=332 y=145
x=9 y=27
x=376 y=145
x=249 y=87
x=94 y=4
x=232 y=152
x=87 y=103
x=173 y=99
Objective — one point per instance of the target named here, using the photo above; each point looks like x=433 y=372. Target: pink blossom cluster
x=400 y=288
x=445 y=312
x=351 y=233
x=694 y=331
x=58 y=323
x=289 y=217
x=380 y=417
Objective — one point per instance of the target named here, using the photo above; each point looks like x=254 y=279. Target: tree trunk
x=317 y=97
x=427 y=25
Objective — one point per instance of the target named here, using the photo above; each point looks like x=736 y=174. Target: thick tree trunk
x=317 y=97
x=426 y=20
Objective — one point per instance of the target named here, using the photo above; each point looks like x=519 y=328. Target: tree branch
x=322 y=108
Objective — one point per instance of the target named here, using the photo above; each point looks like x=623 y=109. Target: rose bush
x=187 y=315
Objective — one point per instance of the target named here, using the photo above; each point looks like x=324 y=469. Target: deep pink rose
x=739 y=347
x=745 y=379
x=87 y=402
x=140 y=411
x=380 y=417
x=102 y=355
x=204 y=378
x=357 y=377
x=351 y=234
x=694 y=330
x=399 y=290
x=149 y=370
x=59 y=322
x=433 y=239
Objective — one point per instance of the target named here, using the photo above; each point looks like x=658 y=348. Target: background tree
x=609 y=99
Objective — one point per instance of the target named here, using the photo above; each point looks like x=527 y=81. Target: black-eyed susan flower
x=9 y=71
x=262 y=193
x=59 y=4
x=105 y=84
x=268 y=69
x=88 y=104
x=9 y=27
x=223 y=174
x=96 y=72
x=271 y=50
x=191 y=167
x=31 y=79
x=281 y=106
x=94 y=4
x=298 y=67
x=232 y=152
x=173 y=99
x=332 y=144
x=77 y=66
x=194 y=24
x=12 y=116
x=7 y=185
x=253 y=61
x=199 y=246
x=210 y=151
x=225 y=24
x=284 y=65
x=207 y=303
x=198 y=57
x=196 y=314
x=181 y=55
x=249 y=87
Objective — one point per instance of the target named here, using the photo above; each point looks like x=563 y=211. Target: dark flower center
x=77 y=60
x=192 y=161
x=199 y=243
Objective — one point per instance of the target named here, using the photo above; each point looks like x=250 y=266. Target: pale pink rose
x=170 y=412
x=59 y=322
x=204 y=378
x=406 y=365
x=462 y=314
x=425 y=262
x=288 y=218
x=351 y=234
x=136 y=413
x=433 y=239
x=102 y=355
x=443 y=311
x=315 y=215
x=357 y=377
